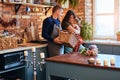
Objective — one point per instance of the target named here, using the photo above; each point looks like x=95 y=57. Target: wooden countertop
x=24 y=46
x=80 y=59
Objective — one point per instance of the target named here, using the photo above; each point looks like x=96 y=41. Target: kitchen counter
x=80 y=59
x=76 y=66
x=24 y=46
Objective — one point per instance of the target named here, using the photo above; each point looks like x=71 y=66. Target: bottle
x=24 y=40
x=32 y=31
x=46 y=1
x=24 y=1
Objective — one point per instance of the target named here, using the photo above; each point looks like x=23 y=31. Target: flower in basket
x=92 y=50
x=93 y=47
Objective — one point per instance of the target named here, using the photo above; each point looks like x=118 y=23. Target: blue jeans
x=69 y=49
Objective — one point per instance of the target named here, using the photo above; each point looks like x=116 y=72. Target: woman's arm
x=74 y=28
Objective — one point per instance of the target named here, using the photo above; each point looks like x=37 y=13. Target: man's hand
x=56 y=40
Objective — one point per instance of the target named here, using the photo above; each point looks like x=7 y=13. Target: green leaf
x=73 y=3
x=86 y=31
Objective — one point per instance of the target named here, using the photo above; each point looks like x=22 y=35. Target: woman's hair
x=67 y=16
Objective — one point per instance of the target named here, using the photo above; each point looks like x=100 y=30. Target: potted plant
x=86 y=31
x=73 y=3
x=118 y=35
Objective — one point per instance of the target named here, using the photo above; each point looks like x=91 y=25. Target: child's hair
x=78 y=20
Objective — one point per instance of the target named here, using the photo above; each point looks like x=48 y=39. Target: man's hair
x=55 y=8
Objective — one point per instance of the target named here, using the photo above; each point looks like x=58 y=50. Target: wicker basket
x=69 y=39
x=8 y=42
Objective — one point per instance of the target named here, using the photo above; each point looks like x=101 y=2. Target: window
x=106 y=18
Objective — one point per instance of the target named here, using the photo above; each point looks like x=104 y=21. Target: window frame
x=116 y=15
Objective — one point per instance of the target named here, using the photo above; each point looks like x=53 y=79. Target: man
x=50 y=31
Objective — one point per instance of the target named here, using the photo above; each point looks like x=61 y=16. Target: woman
x=68 y=23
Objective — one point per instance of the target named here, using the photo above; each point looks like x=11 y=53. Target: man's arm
x=45 y=29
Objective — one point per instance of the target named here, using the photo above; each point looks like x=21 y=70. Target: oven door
x=13 y=59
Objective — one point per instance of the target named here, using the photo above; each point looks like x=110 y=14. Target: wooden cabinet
x=29 y=70
x=26 y=72
x=13 y=74
x=29 y=67
x=41 y=74
x=116 y=50
x=12 y=66
x=105 y=49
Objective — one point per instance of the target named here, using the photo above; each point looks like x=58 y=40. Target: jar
x=24 y=1
x=11 y=1
x=46 y=1
x=18 y=0
x=30 y=1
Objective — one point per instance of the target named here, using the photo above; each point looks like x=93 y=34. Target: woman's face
x=71 y=19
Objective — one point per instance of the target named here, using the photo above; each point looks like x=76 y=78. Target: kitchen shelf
x=28 y=4
x=18 y=5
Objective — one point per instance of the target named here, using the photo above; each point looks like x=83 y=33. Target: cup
x=105 y=62
x=98 y=61
x=91 y=61
x=42 y=55
x=28 y=9
x=112 y=61
x=24 y=1
x=25 y=53
x=33 y=49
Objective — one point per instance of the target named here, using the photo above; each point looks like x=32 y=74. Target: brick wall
x=89 y=11
x=84 y=10
x=79 y=9
x=24 y=18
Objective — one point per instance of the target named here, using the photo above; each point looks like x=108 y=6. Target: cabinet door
x=116 y=49
x=41 y=74
x=29 y=70
x=105 y=49
x=13 y=74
